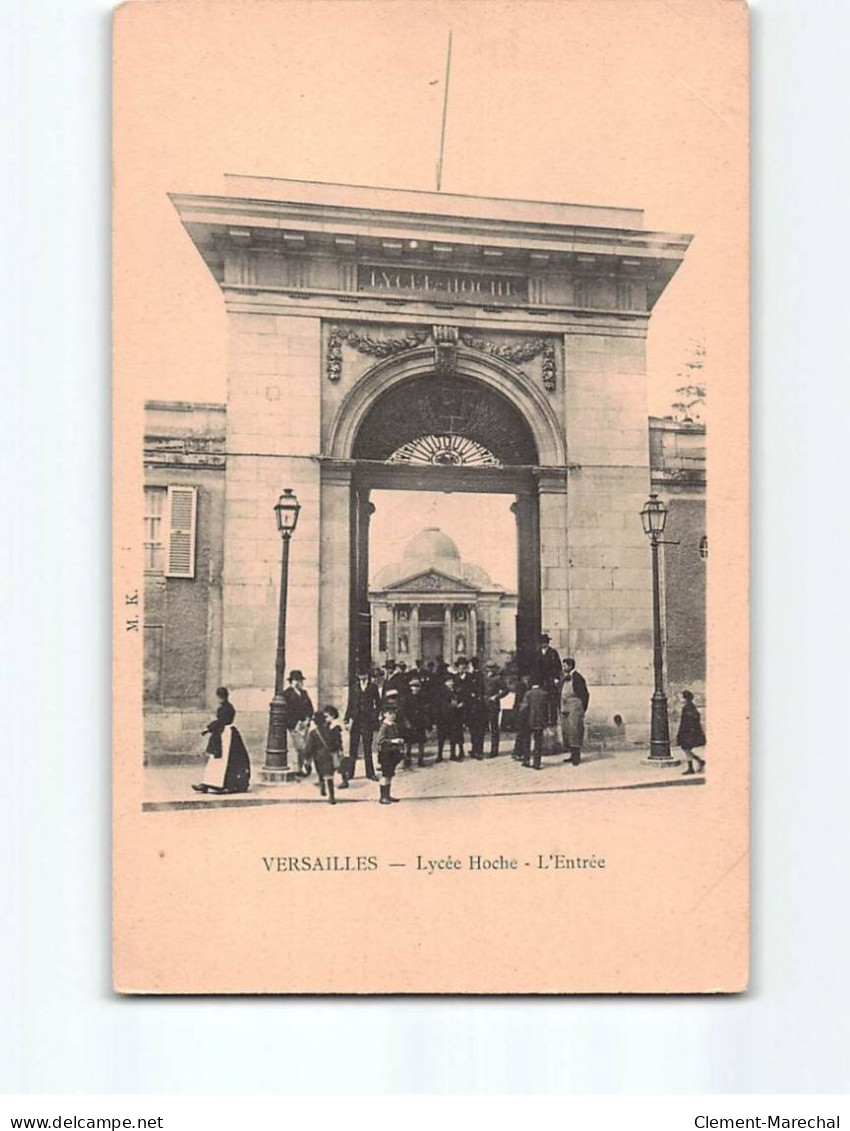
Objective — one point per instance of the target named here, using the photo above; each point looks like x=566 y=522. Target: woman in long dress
x=228 y=768
x=691 y=735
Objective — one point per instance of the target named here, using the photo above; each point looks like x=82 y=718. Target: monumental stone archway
x=423 y=340
x=447 y=432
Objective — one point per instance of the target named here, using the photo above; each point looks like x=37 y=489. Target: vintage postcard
x=431 y=497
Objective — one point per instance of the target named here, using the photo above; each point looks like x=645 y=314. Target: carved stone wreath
x=518 y=352
x=515 y=352
x=372 y=347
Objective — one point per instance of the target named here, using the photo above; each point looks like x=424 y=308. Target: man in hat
x=298 y=712
x=546 y=673
x=379 y=678
x=395 y=680
x=362 y=716
x=470 y=693
x=495 y=690
x=449 y=720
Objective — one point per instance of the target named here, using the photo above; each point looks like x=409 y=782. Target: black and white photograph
x=432 y=521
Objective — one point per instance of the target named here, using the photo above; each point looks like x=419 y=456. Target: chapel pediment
x=431 y=581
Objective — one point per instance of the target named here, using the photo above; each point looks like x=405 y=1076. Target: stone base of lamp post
x=276 y=775
x=659 y=735
x=277 y=768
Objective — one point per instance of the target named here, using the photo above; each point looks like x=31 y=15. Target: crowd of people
x=392 y=711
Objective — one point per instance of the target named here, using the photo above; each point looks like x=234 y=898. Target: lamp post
x=277 y=767
x=654 y=519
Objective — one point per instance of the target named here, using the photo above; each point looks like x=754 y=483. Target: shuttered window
x=154 y=504
x=181 y=512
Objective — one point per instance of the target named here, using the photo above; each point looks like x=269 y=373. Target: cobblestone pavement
x=169 y=787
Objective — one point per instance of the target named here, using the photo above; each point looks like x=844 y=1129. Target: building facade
x=432 y=605
x=424 y=341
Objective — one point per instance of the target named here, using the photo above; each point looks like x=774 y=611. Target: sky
x=482 y=527
x=637 y=105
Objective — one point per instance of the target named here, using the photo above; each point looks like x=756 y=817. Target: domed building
x=431 y=603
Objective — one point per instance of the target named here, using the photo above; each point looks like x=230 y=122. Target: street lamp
x=277 y=767
x=654 y=519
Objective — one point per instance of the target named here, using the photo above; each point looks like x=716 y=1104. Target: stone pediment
x=431 y=581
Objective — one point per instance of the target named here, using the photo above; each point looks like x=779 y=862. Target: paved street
x=169 y=787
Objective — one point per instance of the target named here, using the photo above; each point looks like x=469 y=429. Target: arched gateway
x=474 y=427
x=429 y=341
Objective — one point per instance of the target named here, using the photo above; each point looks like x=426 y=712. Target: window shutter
x=182 y=512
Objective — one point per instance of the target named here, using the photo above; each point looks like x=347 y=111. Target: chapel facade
x=431 y=605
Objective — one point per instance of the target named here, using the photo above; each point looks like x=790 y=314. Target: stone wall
x=684 y=596
x=272 y=442
x=184 y=446
x=609 y=576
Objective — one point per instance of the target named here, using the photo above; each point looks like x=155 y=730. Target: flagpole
x=445 y=109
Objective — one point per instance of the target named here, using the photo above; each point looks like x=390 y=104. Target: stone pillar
x=361 y=636
x=391 y=633
x=527 y=616
x=273 y=435
x=448 y=634
x=334 y=590
x=610 y=615
x=472 y=642
x=554 y=557
x=415 y=641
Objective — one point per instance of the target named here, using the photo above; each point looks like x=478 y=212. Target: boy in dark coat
x=450 y=721
x=536 y=706
x=324 y=743
x=417 y=722
x=447 y=713
x=691 y=733
x=390 y=746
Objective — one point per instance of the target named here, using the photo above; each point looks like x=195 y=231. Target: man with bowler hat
x=362 y=715
x=546 y=673
x=298 y=712
x=395 y=681
x=470 y=692
x=495 y=690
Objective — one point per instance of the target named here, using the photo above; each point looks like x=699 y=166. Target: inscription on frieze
x=463 y=286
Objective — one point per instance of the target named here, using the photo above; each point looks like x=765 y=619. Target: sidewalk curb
x=254 y=802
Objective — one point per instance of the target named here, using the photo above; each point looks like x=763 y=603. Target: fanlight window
x=445 y=451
